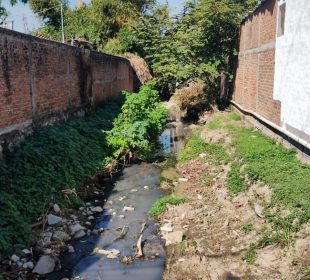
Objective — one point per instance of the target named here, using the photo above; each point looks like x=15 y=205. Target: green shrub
x=138 y=126
x=160 y=205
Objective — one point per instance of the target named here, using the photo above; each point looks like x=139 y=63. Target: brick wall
x=43 y=81
x=254 y=82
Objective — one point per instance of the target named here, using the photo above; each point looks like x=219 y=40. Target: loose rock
x=81 y=233
x=28 y=265
x=173 y=237
x=166 y=228
x=53 y=220
x=128 y=209
x=183 y=180
x=46 y=236
x=71 y=249
x=47 y=251
x=258 y=211
x=96 y=209
x=110 y=254
x=56 y=208
x=15 y=258
x=26 y=252
x=203 y=155
x=76 y=228
x=60 y=236
x=45 y=265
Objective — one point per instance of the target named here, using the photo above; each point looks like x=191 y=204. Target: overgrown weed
x=160 y=206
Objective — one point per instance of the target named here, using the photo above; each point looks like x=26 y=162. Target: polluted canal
x=128 y=245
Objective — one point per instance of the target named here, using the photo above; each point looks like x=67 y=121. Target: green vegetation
x=197 y=45
x=269 y=162
x=235 y=181
x=279 y=168
x=160 y=206
x=66 y=156
x=53 y=159
x=195 y=146
x=223 y=121
x=181 y=247
x=276 y=166
x=248 y=227
x=250 y=255
x=137 y=127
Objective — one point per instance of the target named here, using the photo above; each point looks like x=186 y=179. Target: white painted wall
x=292 y=66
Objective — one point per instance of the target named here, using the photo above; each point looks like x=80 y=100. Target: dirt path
x=221 y=231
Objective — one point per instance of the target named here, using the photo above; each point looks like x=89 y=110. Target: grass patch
x=181 y=247
x=272 y=164
x=222 y=121
x=250 y=256
x=248 y=227
x=235 y=181
x=195 y=146
x=160 y=206
x=280 y=169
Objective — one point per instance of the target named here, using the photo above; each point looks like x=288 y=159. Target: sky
x=24 y=20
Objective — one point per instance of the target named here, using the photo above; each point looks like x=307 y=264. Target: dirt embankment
x=226 y=235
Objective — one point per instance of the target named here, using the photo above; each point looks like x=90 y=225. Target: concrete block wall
x=254 y=81
x=42 y=82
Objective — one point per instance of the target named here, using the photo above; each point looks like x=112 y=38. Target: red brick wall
x=41 y=79
x=253 y=88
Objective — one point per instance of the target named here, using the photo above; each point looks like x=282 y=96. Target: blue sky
x=21 y=14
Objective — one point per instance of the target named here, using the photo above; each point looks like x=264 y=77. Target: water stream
x=137 y=187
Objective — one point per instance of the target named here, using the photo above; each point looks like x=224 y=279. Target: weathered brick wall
x=43 y=81
x=254 y=81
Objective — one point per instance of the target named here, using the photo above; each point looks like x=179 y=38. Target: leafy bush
x=137 y=128
x=160 y=205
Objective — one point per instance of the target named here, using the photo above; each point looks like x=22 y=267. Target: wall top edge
x=32 y=38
